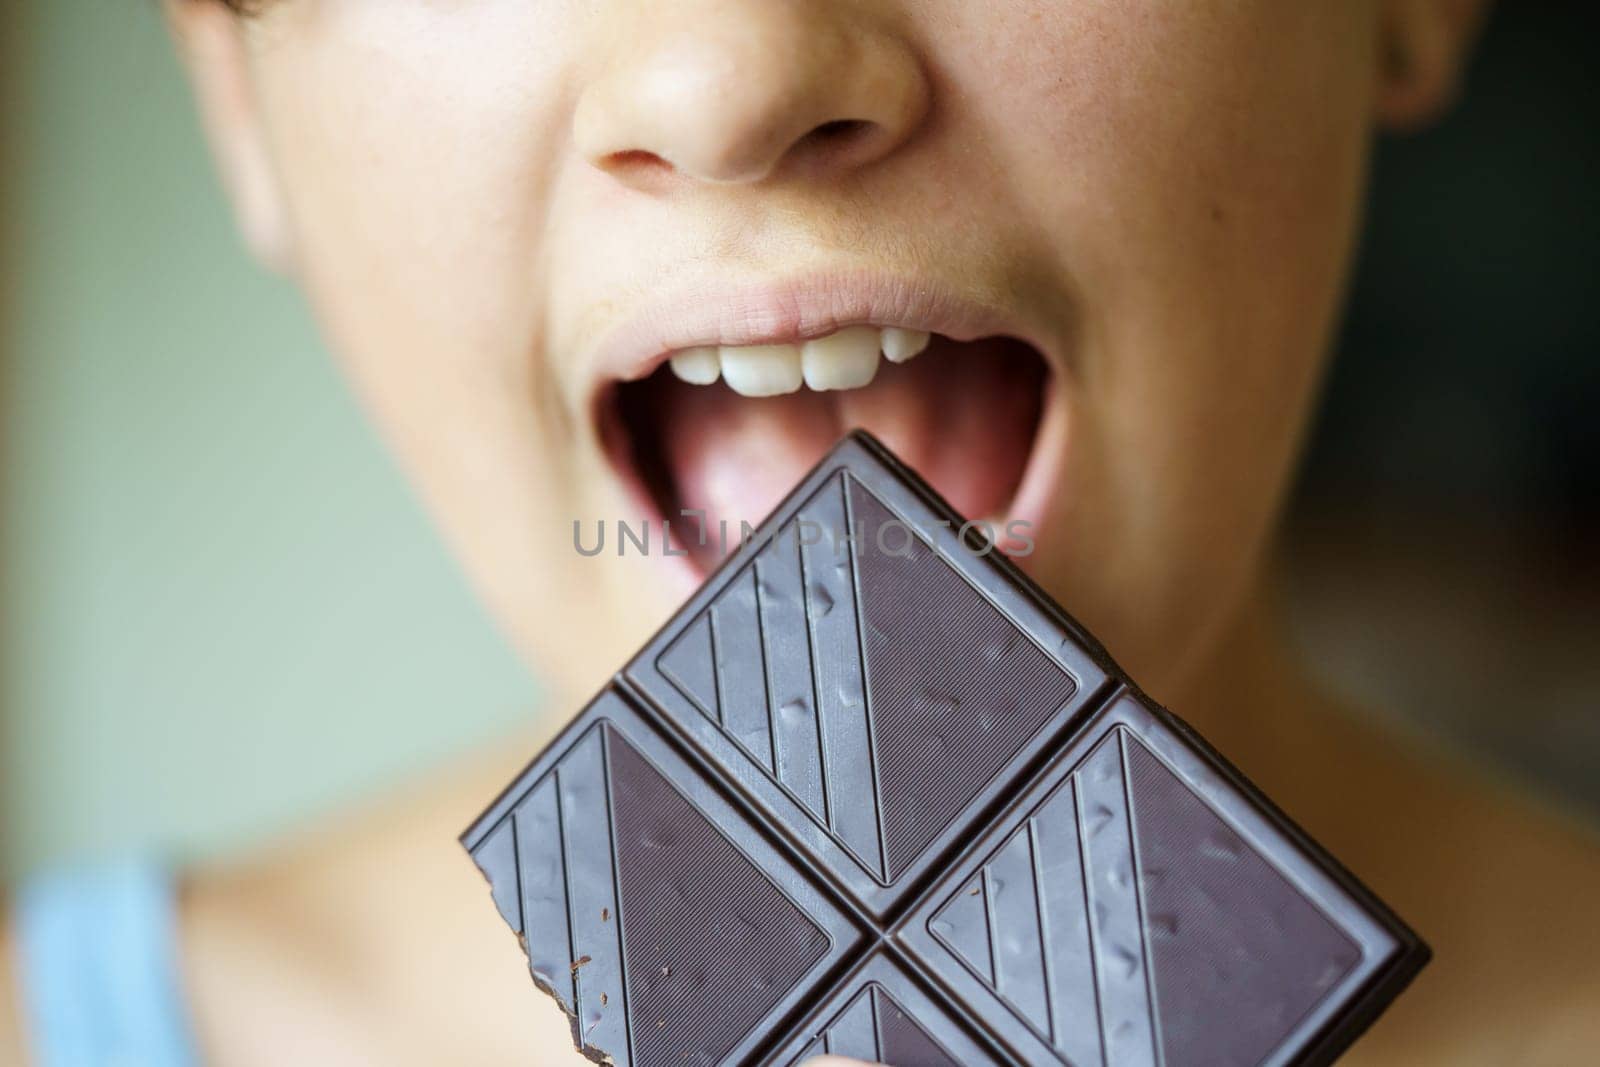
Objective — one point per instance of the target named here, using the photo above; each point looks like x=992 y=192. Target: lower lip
x=1029 y=505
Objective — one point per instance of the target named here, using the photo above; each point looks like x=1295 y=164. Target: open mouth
x=724 y=432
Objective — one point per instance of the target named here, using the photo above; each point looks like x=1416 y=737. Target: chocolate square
x=866 y=676
x=881 y=1013
x=1133 y=906
x=658 y=915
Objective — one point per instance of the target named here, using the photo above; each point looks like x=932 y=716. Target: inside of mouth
x=963 y=414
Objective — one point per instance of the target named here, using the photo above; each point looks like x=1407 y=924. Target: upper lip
x=791 y=310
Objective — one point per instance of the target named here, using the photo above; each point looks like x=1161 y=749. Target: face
x=1123 y=228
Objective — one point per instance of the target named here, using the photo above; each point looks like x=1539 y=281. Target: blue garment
x=98 y=967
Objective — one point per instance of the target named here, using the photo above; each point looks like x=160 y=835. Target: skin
x=475 y=196
x=11 y=1036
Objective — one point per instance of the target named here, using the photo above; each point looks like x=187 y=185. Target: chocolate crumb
x=579 y=962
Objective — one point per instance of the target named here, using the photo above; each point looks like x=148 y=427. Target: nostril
x=840 y=131
x=837 y=142
x=635 y=160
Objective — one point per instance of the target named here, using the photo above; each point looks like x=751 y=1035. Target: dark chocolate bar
x=871 y=792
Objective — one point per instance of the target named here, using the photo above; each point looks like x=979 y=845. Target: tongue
x=734 y=457
x=962 y=415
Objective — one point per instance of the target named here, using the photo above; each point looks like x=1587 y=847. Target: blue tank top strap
x=98 y=965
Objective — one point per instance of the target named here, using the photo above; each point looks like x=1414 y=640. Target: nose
x=734 y=90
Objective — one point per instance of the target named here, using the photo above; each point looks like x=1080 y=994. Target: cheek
x=415 y=146
x=418 y=145
x=1212 y=303
x=1198 y=170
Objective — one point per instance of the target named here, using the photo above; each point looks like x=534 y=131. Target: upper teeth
x=845 y=359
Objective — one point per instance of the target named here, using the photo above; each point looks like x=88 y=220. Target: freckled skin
x=474 y=194
x=1176 y=210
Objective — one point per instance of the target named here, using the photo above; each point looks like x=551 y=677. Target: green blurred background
x=222 y=608
x=223 y=612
